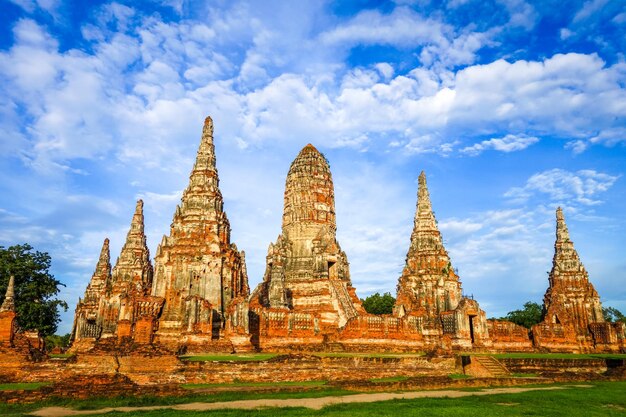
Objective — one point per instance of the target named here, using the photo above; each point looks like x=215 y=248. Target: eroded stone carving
x=8 y=315
x=429 y=286
x=307 y=272
x=198 y=271
x=572 y=312
x=87 y=321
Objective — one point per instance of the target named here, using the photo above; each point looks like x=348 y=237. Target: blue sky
x=511 y=107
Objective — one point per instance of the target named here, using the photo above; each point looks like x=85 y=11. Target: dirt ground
x=313 y=403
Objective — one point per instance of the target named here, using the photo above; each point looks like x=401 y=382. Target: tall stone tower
x=197 y=269
x=8 y=315
x=131 y=278
x=429 y=288
x=428 y=285
x=306 y=269
x=87 y=321
x=570 y=298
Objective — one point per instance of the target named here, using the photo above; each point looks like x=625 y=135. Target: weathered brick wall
x=149 y=370
x=7 y=327
x=307 y=368
x=509 y=337
x=555 y=366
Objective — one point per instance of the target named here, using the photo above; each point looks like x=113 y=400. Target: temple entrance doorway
x=471 y=327
x=332 y=270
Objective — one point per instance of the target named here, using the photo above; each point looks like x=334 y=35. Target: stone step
x=492 y=365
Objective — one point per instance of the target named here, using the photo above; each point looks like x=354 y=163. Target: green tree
x=527 y=317
x=55 y=340
x=379 y=304
x=35 y=288
x=611 y=314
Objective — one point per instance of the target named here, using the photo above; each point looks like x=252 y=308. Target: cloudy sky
x=511 y=107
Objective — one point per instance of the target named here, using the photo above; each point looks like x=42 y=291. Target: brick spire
x=570 y=297
x=309 y=193
x=562 y=234
x=101 y=278
x=9 y=299
x=566 y=260
x=197 y=268
x=202 y=198
x=428 y=282
x=424 y=223
x=134 y=260
x=307 y=271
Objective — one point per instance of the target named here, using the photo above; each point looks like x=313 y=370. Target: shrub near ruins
x=35 y=288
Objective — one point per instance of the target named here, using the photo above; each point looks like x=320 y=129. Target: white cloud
x=577 y=146
x=565 y=33
x=385 y=69
x=404 y=28
x=429 y=144
x=154 y=82
x=620 y=18
x=610 y=137
x=502 y=256
x=522 y=14
x=559 y=96
x=589 y=8
x=509 y=143
x=560 y=185
x=459 y=227
x=49 y=6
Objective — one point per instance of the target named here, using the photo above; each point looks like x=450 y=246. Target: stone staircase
x=492 y=365
x=345 y=302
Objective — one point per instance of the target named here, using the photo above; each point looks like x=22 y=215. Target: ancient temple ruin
x=429 y=284
x=8 y=315
x=429 y=287
x=572 y=312
x=197 y=298
x=131 y=280
x=198 y=271
x=88 y=322
x=307 y=283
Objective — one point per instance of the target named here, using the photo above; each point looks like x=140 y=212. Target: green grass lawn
x=459 y=376
x=60 y=355
x=14 y=410
x=601 y=399
x=29 y=386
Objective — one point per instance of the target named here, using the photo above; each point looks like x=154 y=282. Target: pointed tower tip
x=139 y=206
x=9 y=303
x=424 y=216
x=561 y=228
x=206 y=140
x=104 y=252
x=205 y=157
x=309 y=148
x=208 y=125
